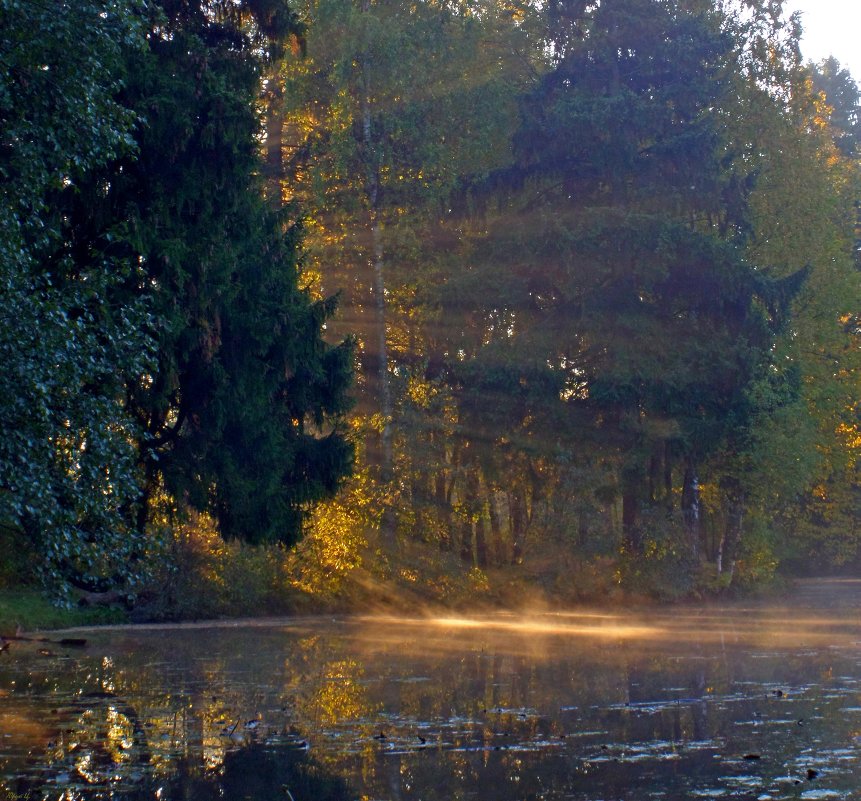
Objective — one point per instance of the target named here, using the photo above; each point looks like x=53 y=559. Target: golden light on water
x=477 y=691
x=606 y=627
x=771 y=627
x=768 y=624
x=754 y=625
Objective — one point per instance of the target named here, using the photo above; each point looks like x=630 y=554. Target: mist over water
x=739 y=701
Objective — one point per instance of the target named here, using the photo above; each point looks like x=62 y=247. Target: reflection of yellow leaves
x=120 y=735
x=340 y=696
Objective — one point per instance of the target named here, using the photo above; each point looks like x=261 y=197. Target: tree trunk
x=631 y=519
x=691 y=507
x=438 y=490
x=733 y=503
x=582 y=529
x=668 y=477
x=388 y=524
x=480 y=534
x=517 y=525
x=385 y=386
x=632 y=492
x=444 y=510
x=654 y=477
x=495 y=530
x=480 y=543
x=466 y=538
x=473 y=545
x=466 y=527
x=274 y=164
x=372 y=192
x=148 y=489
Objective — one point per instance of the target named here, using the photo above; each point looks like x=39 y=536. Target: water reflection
x=736 y=702
x=251 y=773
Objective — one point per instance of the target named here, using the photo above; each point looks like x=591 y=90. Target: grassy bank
x=27 y=608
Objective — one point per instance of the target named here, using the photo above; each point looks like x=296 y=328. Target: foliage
x=337 y=538
x=841 y=94
x=664 y=566
x=610 y=302
x=391 y=112
x=757 y=562
x=241 y=413
x=617 y=302
x=803 y=209
x=152 y=329
x=599 y=263
x=196 y=574
x=597 y=289
x=67 y=459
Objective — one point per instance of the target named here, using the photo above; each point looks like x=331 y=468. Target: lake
x=746 y=700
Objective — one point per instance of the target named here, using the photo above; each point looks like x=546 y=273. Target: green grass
x=31 y=610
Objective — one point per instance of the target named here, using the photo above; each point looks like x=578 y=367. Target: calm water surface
x=752 y=702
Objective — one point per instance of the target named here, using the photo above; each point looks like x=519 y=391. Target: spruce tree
x=618 y=256
x=241 y=416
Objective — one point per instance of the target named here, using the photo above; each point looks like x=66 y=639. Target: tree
x=241 y=415
x=804 y=211
x=841 y=94
x=67 y=459
x=619 y=252
x=164 y=345
x=389 y=112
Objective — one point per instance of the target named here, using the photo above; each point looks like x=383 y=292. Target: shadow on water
x=250 y=773
x=261 y=773
x=755 y=701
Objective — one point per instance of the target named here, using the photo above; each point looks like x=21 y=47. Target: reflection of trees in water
x=340 y=696
x=193 y=714
x=98 y=743
x=111 y=726
x=253 y=773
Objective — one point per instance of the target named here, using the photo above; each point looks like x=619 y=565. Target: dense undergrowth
x=196 y=575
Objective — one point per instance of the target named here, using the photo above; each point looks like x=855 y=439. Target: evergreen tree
x=844 y=99
x=618 y=256
x=241 y=414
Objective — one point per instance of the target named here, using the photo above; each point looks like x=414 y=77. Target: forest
x=354 y=302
